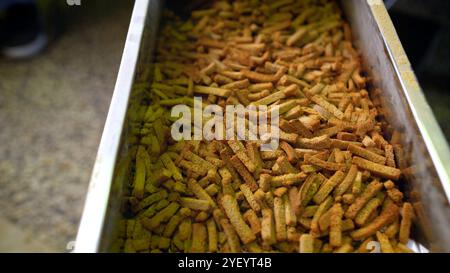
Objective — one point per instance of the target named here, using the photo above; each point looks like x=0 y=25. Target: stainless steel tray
x=404 y=106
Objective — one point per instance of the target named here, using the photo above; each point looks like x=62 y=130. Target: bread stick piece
x=172 y=225
x=336 y=225
x=168 y=163
x=152 y=199
x=380 y=170
x=357 y=184
x=265 y=182
x=389 y=153
x=306 y=243
x=328 y=106
x=287 y=179
x=328 y=187
x=225 y=155
x=255 y=157
x=232 y=237
x=192 y=167
x=197 y=160
x=290 y=152
x=342 y=144
x=293 y=235
x=259 y=77
x=185 y=229
x=331 y=166
x=299 y=128
x=268 y=227
x=226 y=181
x=221 y=92
x=385 y=218
x=299 y=34
x=372 y=189
x=270 y=99
x=242 y=84
x=346 y=224
x=282 y=166
x=369 y=155
x=309 y=189
x=253 y=220
x=347 y=182
x=305 y=222
x=162 y=216
x=386 y=246
x=231 y=208
x=323 y=207
x=363 y=215
x=200 y=192
x=405 y=224
x=294 y=200
x=309 y=211
x=291 y=218
x=280 y=219
x=195 y=204
x=320 y=142
x=324 y=221
x=392 y=229
x=242 y=170
x=260 y=87
x=140 y=176
x=239 y=149
x=250 y=197
x=212 y=235
x=199 y=237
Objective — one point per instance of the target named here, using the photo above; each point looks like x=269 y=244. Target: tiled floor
x=52 y=111
x=14 y=239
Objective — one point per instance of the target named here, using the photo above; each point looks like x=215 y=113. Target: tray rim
x=94 y=212
x=432 y=134
x=96 y=202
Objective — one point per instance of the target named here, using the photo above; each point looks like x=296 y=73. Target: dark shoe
x=22 y=34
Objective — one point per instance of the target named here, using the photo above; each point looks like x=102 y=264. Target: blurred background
x=52 y=110
x=424 y=30
x=53 y=107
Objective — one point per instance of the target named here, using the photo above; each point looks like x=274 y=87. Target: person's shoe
x=22 y=35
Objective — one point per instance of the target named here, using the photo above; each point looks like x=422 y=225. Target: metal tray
x=404 y=106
